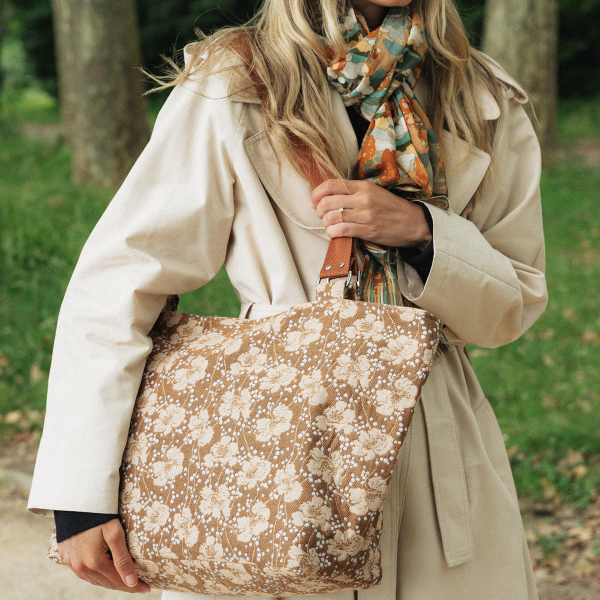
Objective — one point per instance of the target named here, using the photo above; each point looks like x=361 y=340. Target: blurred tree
x=579 y=40
x=3 y=18
x=169 y=24
x=522 y=35
x=578 y=54
x=164 y=26
x=103 y=111
x=35 y=25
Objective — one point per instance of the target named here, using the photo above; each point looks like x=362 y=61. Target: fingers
x=334 y=194
x=334 y=203
x=93 y=577
x=121 y=562
x=121 y=559
x=334 y=187
x=80 y=569
x=371 y=213
x=356 y=230
x=87 y=554
x=333 y=217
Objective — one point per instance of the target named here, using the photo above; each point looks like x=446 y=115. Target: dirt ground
x=564 y=543
x=25 y=572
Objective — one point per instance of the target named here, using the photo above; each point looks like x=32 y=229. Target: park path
x=25 y=571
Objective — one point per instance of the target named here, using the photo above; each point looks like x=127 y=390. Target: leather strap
x=342 y=254
x=341 y=258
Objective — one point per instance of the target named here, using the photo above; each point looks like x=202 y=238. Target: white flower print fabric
x=260 y=451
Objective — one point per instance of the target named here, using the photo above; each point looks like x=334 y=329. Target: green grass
x=44 y=222
x=545 y=388
x=578 y=120
x=30 y=105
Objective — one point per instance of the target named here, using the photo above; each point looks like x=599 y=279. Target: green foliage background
x=579 y=40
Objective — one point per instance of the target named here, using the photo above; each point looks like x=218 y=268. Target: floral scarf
x=400 y=151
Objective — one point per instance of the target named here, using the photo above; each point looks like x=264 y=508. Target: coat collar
x=289 y=191
x=491 y=109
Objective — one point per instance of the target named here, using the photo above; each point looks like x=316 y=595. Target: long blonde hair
x=284 y=61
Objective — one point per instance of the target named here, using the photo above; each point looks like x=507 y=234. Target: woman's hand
x=87 y=553
x=371 y=213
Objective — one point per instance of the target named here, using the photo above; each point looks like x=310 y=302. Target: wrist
x=423 y=228
x=424 y=240
x=70 y=523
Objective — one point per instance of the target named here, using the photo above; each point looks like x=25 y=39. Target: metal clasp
x=348 y=279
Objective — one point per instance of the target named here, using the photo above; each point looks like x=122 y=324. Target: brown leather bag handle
x=342 y=256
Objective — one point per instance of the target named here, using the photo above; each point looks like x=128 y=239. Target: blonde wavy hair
x=284 y=61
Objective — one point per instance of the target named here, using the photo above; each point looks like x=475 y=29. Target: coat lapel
x=291 y=192
x=288 y=189
x=464 y=173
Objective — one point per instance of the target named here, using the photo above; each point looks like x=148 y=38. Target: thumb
x=114 y=536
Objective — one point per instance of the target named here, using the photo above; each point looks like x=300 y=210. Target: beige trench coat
x=206 y=192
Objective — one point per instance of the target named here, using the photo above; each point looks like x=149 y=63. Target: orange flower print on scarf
x=400 y=151
x=377 y=76
x=420 y=175
x=366 y=154
x=388 y=168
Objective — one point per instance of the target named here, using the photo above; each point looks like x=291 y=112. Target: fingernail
x=131 y=580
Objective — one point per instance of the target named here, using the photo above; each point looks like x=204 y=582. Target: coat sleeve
x=487 y=280
x=165 y=232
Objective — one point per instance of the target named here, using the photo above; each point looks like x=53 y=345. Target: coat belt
x=447 y=471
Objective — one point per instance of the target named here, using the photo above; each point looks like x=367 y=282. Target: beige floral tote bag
x=260 y=451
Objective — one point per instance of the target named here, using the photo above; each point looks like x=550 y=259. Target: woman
x=208 y=190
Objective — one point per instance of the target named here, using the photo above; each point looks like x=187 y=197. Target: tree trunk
x=103 y=111
x=3 y=18
x=522 y=35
